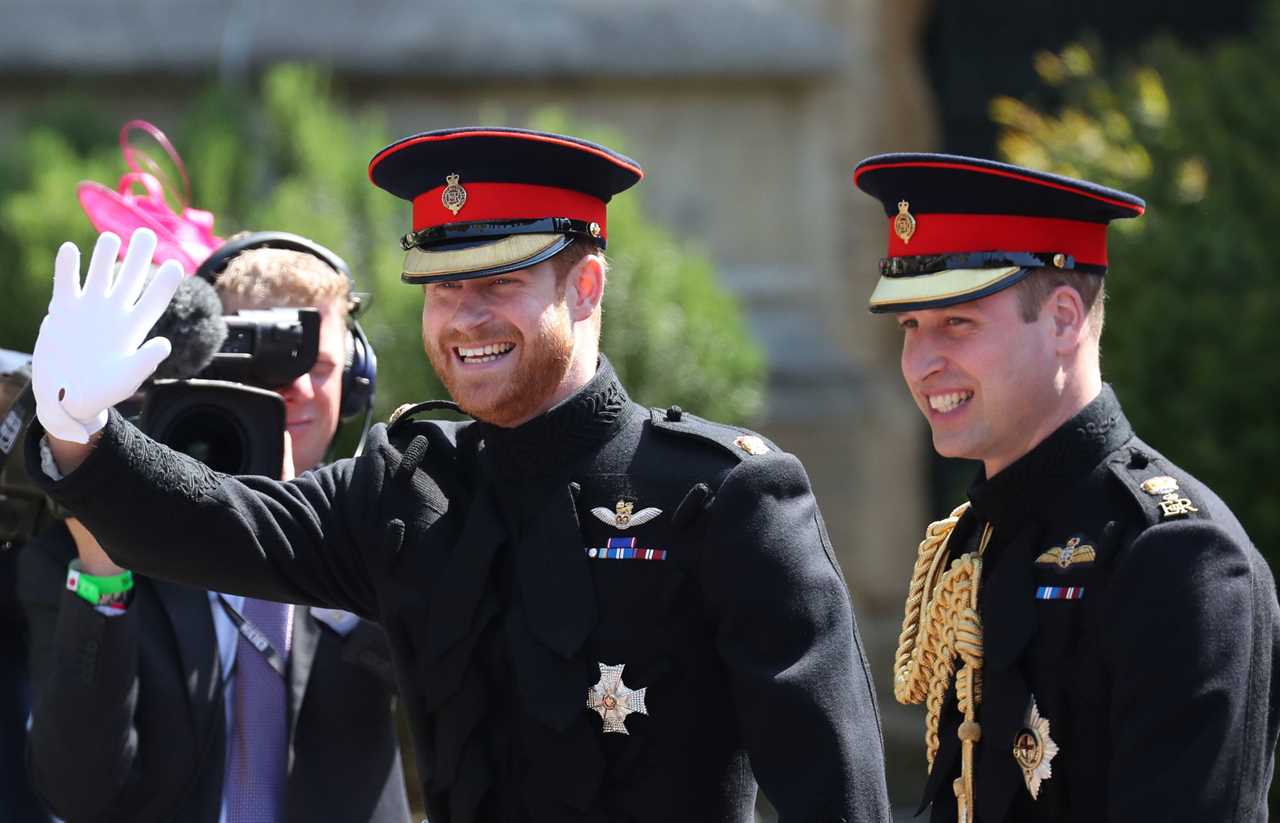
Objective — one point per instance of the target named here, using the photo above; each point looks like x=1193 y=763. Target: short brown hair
x=564 y=261
x=1036 y=287
x=260 y=278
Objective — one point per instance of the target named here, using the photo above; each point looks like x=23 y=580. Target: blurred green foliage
x=290 y=157
x=1192 y=333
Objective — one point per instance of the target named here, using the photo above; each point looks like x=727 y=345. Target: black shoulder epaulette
x=1154 y=486
x=739 y=443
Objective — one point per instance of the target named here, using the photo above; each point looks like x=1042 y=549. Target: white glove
x=87 y=357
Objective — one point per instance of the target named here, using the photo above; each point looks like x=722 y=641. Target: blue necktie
x=259 y=743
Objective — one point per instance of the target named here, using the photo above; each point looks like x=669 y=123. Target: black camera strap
x=255 y=636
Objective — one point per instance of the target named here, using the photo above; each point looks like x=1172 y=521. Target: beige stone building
x=748 y=116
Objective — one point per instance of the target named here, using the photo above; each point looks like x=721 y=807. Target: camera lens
x=210 y=435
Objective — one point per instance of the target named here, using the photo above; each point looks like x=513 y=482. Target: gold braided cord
x=953 y=630
x=911 y=669
x=941 y=628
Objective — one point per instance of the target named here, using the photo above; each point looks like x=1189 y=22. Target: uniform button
x=674 y=414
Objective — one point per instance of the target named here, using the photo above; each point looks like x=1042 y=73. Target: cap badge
x=1166 y=488
x=904 y=225
x=751 y=444
x=454 y=196
x=623 y=516
x=1034 y=750
x=1064 y=557
x=613 y=700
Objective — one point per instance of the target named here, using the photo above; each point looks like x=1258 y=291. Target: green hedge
x=1193 y=321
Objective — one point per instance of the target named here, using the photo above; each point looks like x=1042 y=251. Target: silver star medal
x=1034 y=750
x=613 y=701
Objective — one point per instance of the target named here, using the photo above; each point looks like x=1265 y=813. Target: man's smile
x=473 y=355
x=947 y=402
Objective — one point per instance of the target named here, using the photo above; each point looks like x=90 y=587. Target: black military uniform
x=609 y=613
x=1128 y=630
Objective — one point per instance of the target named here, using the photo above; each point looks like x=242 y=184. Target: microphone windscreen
x=194 y=326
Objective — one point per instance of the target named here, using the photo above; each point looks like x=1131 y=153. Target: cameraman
x=150 y=703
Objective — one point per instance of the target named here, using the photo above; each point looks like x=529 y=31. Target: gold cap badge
x=904 y=225
x=454 y=196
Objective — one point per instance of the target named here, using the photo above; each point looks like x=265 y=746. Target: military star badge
x=624 y=515
x=1034 y=750
x=613 y=700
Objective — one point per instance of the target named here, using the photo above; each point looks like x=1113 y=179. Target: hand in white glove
x=87 y=357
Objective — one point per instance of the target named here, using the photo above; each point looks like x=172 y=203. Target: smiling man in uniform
x=1093 y=633
x=599 y=611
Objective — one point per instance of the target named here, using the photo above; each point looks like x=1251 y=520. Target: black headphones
x=359 y=373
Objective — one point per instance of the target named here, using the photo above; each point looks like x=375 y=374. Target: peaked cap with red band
x=493 y=200
x=962 y=228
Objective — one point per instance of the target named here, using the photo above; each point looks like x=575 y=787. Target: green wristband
x=98 y=590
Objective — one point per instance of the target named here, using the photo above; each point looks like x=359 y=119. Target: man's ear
x=1066 y=311
x=585 y=287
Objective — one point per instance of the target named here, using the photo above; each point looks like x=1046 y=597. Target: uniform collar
x=1036 y=479
x=578 y=425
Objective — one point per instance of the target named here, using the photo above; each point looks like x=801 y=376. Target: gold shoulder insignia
x=1159 y=486
x=751 y=444
x=1171 y=504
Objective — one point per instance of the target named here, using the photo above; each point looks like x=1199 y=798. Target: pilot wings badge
x=1064 y=557
x=623 y=517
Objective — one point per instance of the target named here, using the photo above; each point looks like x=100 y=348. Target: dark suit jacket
x=129 y=721
x=478 y=565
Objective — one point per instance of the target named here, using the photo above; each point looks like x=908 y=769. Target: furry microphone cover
x=194 y=326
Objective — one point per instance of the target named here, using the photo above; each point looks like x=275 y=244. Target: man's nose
x=300 y=389
x=921 y=359
x=473 y=311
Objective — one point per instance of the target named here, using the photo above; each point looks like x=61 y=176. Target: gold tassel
x=941 y=623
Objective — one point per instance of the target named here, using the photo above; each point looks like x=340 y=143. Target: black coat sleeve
x=312 y=540
x=83 y=745
x=784 y=629
x=1190 y=631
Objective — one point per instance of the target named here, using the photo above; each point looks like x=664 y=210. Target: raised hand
x=90 y=353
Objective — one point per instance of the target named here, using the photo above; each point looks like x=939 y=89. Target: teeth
x=948 y=402
x=484 y=354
